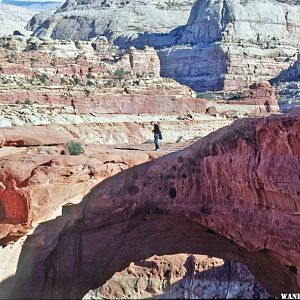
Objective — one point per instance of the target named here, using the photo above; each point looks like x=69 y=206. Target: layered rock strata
x=14 y=18
x=288 y=86
x=233 y=46
x=231 y=183
x=181 y=276
x=78 y=76
x=115 y=129
x=78 y=20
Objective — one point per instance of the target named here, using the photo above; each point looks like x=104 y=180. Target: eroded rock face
x=25 y=136
x=234 y=46
x=292 y=73
x=75 y=75
x=14 y=18
x=79 y=20
x=263 y=96
x=36 y=182
x=288 y=86
x=181 y=276
x=228 y=189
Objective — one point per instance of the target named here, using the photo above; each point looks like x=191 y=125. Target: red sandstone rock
x=128 y=85
x=35 y=184
x=262 y=94
x=226 y=195
x=148 y=102
x=28 y=136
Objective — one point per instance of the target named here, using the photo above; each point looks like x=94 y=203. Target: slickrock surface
x=14 y=18
x=79 y=20
x=37 y=180
x=181 y=276
x=225 y=196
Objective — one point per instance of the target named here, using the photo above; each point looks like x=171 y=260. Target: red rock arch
x=233 y=194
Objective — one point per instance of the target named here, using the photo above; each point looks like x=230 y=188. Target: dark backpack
x=160 y=135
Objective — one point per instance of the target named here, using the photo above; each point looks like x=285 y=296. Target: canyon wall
x=77 y=76
x=13 y=18
x=288 y=86
x=292 y=73
x=223 y=45
x=82 y=20
x=233 y=44
x=181 y=276
x=108 y=96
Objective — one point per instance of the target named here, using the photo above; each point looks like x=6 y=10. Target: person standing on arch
x=157 y=137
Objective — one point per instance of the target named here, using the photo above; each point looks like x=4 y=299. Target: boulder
x=212 y=111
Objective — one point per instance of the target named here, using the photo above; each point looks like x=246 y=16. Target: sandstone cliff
x=181 y=276
x=233 y=46
x=88 y=80
x=224 y=44
x=226 y=196
x=13 y=18
x=80 y=20
x=288 y=86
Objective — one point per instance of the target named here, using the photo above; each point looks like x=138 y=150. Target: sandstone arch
x=234 y=195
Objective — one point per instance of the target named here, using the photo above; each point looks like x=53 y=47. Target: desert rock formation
x=226 y=196
x=181 y=276
x=233 y=46
x=55 y=91
x=288 y=86
x=66 y=73
x=79 y=20
x=13 y=18
x=38 y=181
x=107 y=96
